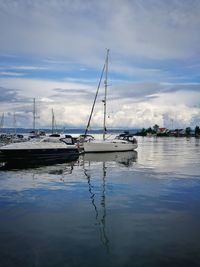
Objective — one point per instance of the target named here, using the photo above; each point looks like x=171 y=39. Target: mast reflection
x=125 y=159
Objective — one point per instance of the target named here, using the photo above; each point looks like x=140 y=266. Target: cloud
x=132 y=105
x=78 y=95
x=150 y=29
x=7 y=73
x=54 y=51
x=138 y=92
x=10 y=95
x=41 y=87
x=188 y=87
x=23 y=67
x=71 y=101
x=147 y=114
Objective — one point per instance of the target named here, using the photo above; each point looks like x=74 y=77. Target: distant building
x=177 y=132
x=162 y=131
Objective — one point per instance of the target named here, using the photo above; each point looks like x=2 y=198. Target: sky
x=54 y=51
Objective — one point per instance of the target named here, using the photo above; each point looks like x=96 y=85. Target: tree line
x=157 y=131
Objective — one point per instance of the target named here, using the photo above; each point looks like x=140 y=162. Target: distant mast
x=14 y=123
x=105 y=97
x=2 y=121
x=53 y=122
x=34 y=114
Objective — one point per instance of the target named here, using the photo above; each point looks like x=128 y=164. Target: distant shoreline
x=149 y=132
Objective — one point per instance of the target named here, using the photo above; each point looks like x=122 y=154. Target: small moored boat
x=49 y=148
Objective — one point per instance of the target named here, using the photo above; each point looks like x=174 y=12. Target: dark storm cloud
x=182 y=87
x=8 y=95
x=147 y=91
x=11 y=95
x=72 y=93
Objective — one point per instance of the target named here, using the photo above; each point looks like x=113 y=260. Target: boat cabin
x=127 y=137
x=85 y=138
x=56 y=138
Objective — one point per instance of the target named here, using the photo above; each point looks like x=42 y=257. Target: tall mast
x=34 y=114
x=91 y=113
x=105 y=98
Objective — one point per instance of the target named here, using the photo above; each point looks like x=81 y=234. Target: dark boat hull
x=24 y=156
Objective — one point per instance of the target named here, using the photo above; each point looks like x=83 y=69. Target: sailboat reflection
x=125 y=159
x=122 y=158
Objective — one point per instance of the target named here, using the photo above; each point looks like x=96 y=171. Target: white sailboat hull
x=108 y=146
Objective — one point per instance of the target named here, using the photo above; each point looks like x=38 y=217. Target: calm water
x=121 y=209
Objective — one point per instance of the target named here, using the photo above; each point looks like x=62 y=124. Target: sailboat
x=35 y=133
x=123 y=142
